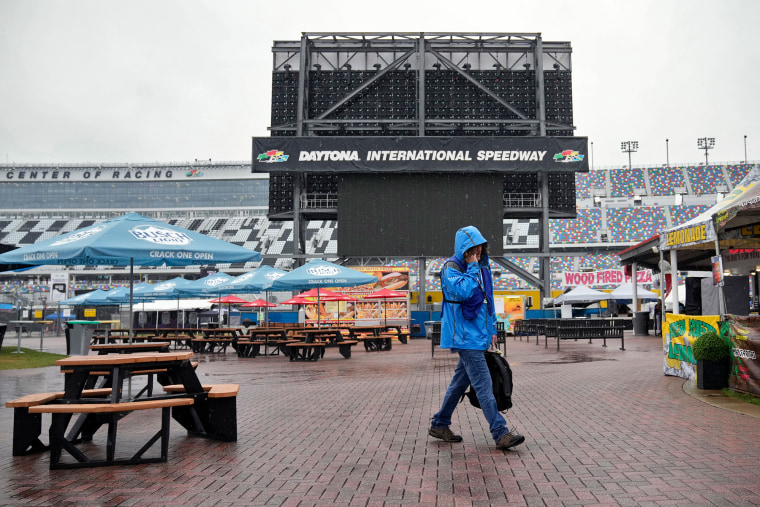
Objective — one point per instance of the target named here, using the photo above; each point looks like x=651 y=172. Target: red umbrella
x=234 y=300
x=230 y=300
x=325 y=295
x=385 y=294
x=318 y=293
x=298 y=300
x=258 y=303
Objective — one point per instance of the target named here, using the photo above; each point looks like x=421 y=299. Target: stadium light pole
x=706 y=143
x=629 y=147
x=745 y=148
x=592 y=151
x=667 y=153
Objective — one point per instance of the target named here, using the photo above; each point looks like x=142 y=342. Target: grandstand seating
x=634 y=224
x=663 y=180
x=597 y=179
x=705 y=179
x=582 y=229
x=681 y=214
x=625 y=182
x=582 y=187
x=737 y=172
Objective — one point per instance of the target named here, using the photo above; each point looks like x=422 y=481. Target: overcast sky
x=169 y=81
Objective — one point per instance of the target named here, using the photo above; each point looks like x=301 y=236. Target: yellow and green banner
x=679 y=333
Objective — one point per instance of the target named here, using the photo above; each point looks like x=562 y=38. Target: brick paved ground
x=603 y=427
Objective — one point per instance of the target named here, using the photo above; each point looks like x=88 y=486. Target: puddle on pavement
x=573 y=358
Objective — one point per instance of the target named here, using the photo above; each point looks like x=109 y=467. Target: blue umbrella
x=128 y=240
x=319 y=273
x=100 y=297
x=255 y=281
x=206 y=286
x=84 y=299
x=54 y=316
x=121 y=295
x=162 y=290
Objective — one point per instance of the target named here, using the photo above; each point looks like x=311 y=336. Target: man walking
x=468 y=327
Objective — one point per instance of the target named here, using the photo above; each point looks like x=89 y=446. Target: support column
x=634 y=276
x=721 y=300
x=538 y=65
x=663 y=289
x=299 y=241
x=421 y=86
x=421 y=282
x=544 y=261
x=674 y=281
x=303 y=72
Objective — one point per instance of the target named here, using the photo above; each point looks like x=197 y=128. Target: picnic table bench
x=208 y=411
x=313 y=342
x=103 y=336
x=375 y=342
x=181 y=338
x=249 y=345
x=215 y=340
x=402 y=335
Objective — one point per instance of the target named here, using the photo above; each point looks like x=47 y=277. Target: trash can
x=80 y=336
x=641 y=323
x=429 y=329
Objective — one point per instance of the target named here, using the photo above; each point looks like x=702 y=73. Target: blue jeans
x=471 y=369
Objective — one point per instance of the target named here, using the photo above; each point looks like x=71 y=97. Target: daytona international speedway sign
x=420 y=154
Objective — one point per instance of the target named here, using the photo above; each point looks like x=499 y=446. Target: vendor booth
x=724 y=242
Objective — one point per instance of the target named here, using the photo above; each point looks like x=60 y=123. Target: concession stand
x=724 y=241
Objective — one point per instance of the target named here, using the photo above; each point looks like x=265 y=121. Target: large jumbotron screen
x=413 y=215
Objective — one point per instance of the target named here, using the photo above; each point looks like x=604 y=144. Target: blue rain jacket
x=458 y=332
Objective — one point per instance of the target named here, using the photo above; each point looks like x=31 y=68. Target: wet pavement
x=603 y=427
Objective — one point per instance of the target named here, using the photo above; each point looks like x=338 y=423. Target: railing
x=522 y=200
x=319 y=201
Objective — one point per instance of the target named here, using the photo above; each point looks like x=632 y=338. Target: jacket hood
x=467 y=237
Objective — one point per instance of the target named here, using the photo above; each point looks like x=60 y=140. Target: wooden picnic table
x=249 y=345
x=201 y=410
x=215 y=339
x=180 y=337
x=372 y=337
x=315 y=340
x=103 y=336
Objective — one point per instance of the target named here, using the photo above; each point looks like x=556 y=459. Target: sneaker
x=444 y=434
x=509 y=440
